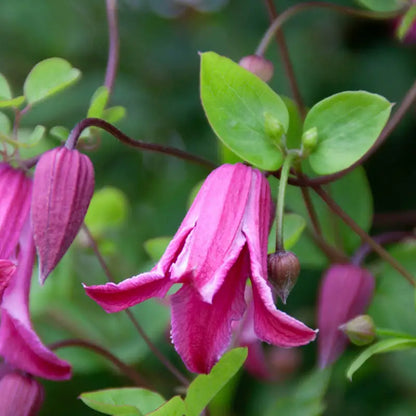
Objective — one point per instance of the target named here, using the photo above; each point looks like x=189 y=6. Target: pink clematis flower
x=345 y=292
x=221 y=242
x=62 y=190
x=19 y=344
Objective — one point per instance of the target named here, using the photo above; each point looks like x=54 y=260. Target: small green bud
x=274 y=128
x=283 y=270
x=360 y=330
x=310 y=140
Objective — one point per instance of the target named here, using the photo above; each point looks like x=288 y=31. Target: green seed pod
x=360 y=330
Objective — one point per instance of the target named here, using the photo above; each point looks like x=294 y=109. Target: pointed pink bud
x=62 y=190
x=15 y=196
x=258 y=66
x=7 y=269
x=20 y=394
x=345 y=292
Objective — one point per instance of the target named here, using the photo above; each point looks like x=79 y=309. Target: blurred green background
x=157 y=83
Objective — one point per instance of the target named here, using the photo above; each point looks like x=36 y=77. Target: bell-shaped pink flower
x=19 y=344
x=345 y=292
x=20 y=394
x=15 y=195
x=221 y=242
x=62 y=190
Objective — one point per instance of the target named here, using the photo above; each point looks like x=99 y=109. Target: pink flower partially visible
x=7 y=269
x=19 y=344
x=20 y=394
x=221 y=242
x=62 y=190
x=345 y=292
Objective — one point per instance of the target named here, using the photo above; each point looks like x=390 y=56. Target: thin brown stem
x=388 y=219
x=124 y=368
x=287 y=63
x=138 y=144
x=334 y=207
x=164 y=360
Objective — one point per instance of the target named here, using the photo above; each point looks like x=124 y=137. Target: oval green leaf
x=98 y=102
x=348 y=124
x=48 y=77
x=5 y=91
x=407 y=22
x=5 y=124
x=235 y=102
x=382 y=5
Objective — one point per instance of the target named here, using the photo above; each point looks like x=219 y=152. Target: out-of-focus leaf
x=382 y=5
x=114 y=114
x=293 y=226
x=237 y=104
x=348 y=124
x=407 y=22
x=155 y=247
x=5 y=91
x=98 y=102
x=47 y=78
x=174 y=407
x=206 y=386
x=386 y=345
x=5 y=125
x=60 y=132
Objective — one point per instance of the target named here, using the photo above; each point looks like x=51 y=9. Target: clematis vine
x=221 y=242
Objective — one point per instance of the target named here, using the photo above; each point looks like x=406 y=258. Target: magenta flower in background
x=20 y=394
x=19 y=344
x=221 y=242
x=345 y=292
x=62 y=190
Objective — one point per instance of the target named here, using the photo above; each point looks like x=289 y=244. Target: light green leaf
x=114 y=114
x=386 y=345
x=174 y=407
x=293 y=226
x=5 y=125
x=348 y=124
x=155 y=247
x=14 y=102
x=236 y=103
x=98 y=102
x=206 y=386
x=130 y=401
x=294 y=132
x=382 y=5
x=60 y=132
x=407 y=22
x=48 y=77
x=108 y=208
x=33 y=138
x=5 y=91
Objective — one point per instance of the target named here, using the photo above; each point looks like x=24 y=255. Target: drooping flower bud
x=258 y=66
x=283 y=270
x=62 y=190
x=15 y=195
x=360 y=330
x=20 y=394
x=345 y=292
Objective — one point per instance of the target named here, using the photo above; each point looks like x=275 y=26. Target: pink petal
x=63 y=187
x=216 y=240
x=7 y=270
x=201 y=331
x=345 y=292
x=19 y=344
x=15 y=194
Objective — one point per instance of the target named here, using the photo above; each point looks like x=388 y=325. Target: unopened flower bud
x=310 y=140
x=274 y=129
x=20 y=395
x=360 y=330
x=283 y=270
x=62 y=190
x=258 y=66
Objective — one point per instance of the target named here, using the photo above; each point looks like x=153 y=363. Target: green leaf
x=294 y=132
x=174 y=407
x=5 y=125
x=382 y=5
x=386 y=345
x=14 y=102
x=406 y=23
x=236 y=103
x=114 y=114
x=60 y=132
x=348 y=124
x=155 y=247
x=108 y=209
x=98 y=102
x=206 y=386
x=305 y=398
x=47 y=78
x=5 y=91
x=130 y=401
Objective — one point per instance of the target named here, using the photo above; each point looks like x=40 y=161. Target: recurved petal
x=201 y=331
x=274 y=326
x=7 y=270
x=19 y=344
x=15 y=195
x=216 y=239
x=116 y=297
x=346 y=291
x=62 y=191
